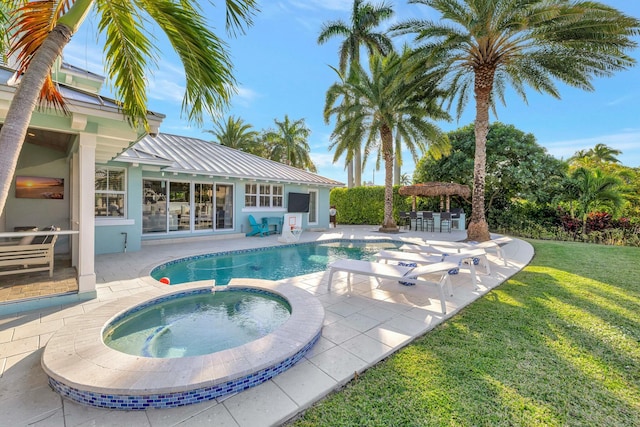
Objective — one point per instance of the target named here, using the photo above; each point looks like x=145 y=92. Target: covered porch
x=66 y=149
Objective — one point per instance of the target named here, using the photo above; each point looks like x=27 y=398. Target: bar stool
x=455 y=218
x=445 y=220
x=413 y=215
x=428 y=221
x=404 y=219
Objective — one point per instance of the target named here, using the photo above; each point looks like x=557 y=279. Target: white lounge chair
x=410 y=275
x=490 y=245
x=470 y=254
x=463 y=260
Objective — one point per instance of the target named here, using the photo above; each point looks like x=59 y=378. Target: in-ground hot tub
x=81 y=367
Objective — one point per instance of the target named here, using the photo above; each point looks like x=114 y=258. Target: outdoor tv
x=298 y=202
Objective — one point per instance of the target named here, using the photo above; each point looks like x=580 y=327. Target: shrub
x=598 y=221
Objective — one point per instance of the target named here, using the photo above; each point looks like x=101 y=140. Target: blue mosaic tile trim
x=170 y=400
x=266 y=248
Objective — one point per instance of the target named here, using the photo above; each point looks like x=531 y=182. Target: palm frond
x=240 y=14
x=128 y=52
x=33 y=21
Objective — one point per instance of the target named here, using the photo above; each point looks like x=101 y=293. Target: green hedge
x=365 y=205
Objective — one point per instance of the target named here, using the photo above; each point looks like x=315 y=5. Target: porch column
x=86 y=216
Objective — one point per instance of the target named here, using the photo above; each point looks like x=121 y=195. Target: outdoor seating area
x=432 y=221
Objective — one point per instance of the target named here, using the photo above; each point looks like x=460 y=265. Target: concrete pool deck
x=359 y=330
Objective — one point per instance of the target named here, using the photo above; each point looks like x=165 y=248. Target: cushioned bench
x=23 y=257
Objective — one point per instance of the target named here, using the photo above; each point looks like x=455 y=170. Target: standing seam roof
x=196 y=156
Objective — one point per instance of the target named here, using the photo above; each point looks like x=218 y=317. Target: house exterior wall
x=25 y=212
x=110 y=231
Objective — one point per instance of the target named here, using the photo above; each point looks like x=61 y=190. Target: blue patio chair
x=257 y=228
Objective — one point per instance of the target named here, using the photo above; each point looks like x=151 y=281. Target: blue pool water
x=271 y=264
x=197 y=324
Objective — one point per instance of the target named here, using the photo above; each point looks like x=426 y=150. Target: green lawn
x=557 y=345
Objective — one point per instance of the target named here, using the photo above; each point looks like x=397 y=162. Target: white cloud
x=322 y=160
x=167 y=83
x=621 y=100
x=163 y=89
x=244 y=96
x=88 y=57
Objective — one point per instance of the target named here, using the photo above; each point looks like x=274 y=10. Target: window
x=251 y=195
x=179 y=206
x=264 y=195
x=110 y=195
x=203 y=203
x=154 y=206
x=224 y=206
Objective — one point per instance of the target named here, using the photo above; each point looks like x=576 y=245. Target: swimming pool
x=272 y=263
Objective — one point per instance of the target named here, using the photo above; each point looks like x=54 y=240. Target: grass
x=556 y=345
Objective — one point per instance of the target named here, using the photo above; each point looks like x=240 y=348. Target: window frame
x=107 y=192
x=266 y=195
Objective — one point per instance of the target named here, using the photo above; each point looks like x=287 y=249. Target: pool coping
x=82 y=367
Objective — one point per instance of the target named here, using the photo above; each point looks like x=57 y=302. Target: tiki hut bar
x=446 y=219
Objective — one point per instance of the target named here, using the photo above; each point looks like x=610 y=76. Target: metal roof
x=77 y=96
x=196 y=156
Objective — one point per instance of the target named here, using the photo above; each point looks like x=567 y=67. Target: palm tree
x=41 y=29
x=235 y=133
x=405 y=179
x=599 y=155
x=389 y=98
x=288 y=144
x=359 y=32
x=486 y=44
x=602 y=153
x=593 y=187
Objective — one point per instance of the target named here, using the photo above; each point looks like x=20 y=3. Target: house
x=119 y=188
x=174 y=186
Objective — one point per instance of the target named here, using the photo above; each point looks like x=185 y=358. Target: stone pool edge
x=81 y=367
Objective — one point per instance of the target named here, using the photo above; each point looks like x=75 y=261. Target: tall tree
x=235 y=133
x=486 y=44
x=289 y=143
x=517 y=167
x=365 y=17
x=41 y=29
x=389 y=98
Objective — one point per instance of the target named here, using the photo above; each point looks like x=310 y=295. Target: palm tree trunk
x=396 y=165
x=389 y=225
x=24 y=102
x=357 y=168
x=478 y=228
x=350 y=174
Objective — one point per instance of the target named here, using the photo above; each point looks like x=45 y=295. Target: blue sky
x=280 y=69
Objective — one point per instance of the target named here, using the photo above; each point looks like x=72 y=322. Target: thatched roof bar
x=433 y=189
